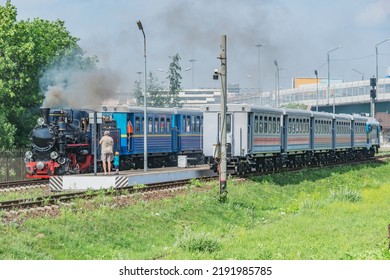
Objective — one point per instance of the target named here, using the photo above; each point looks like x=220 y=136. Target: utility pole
x=223 y=164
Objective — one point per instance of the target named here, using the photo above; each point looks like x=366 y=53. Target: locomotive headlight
x=53 y=155
x=40 y=165
x=41 y=121
x=28 y=154
x=61 y=160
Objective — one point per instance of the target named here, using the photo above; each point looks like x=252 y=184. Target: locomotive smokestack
x=45 y=114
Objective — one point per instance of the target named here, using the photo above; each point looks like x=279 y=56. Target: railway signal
x=373 y=95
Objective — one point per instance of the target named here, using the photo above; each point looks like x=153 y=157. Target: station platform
x=127 y=178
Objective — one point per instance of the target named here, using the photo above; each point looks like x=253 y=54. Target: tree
x=27 y=48
x=137 y=93
x=174 y=78
x=297 y=106
x=7 y=133
x=156 y=96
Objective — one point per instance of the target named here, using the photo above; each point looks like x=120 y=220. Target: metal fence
x=12 y=166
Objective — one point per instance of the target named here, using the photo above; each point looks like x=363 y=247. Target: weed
x=139 y=186
x=345 y=194
x=198 y=242
x=196 y=182
x=306 y=204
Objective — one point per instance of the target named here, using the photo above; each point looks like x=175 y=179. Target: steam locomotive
x=60 y=144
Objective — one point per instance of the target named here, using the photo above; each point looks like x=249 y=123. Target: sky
x=297 y=34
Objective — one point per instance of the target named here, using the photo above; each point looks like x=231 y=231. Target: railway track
x=55 y=199
x=21 y=186
x=22 y=183
x=58 y=198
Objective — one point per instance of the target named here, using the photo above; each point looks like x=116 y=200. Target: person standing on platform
x=116 y=162
x=107 y=144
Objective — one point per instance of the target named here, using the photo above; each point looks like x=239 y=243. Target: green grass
x=338 y=213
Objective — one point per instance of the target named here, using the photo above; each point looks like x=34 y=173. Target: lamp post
x=145 y=90
x=193 y=69
x=258 y=73
x=359 y=73
x=334 y=99
x=316 y=73
x=277 y=83
x=376 y=59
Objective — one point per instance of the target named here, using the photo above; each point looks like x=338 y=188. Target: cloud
x=376 y=13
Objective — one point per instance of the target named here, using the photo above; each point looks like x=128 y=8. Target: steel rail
x=22 y=183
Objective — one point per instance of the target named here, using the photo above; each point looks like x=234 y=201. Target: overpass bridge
x=349 y=97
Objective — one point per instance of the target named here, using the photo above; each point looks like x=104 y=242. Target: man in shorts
x=107 y=144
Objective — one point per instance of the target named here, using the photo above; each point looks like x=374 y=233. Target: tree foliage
x=27 y=48
x=137 y=93
x=156 y=97
x=7 y=133
x=297 y=106
x=174 y=78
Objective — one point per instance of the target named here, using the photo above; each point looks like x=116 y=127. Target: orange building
x=298 y=82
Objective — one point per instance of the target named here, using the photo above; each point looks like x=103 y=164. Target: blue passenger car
x=170 y=132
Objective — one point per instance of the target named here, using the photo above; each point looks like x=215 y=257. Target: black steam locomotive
x=60 y=144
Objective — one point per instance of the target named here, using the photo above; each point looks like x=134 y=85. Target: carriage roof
x=140 y=109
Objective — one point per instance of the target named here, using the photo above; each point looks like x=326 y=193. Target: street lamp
x=277 y=83
x=258 y=73
x=277 y=90
x=316 y=73
x=376 y=59
x=334 y=100
x=145 y=90
x=359 y=73
x=193 y=69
